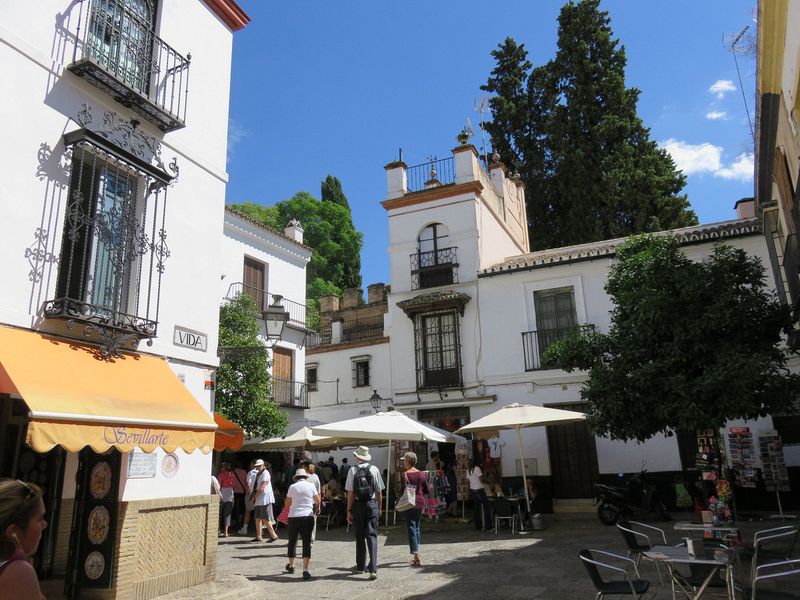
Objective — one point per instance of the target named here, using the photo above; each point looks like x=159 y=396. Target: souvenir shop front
x=122 y=450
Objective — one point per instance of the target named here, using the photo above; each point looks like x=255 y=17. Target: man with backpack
x=364 y=488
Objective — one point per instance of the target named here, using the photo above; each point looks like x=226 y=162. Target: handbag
x=408 y=499
x=284 y=516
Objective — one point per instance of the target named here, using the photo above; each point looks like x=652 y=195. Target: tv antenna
x=740 y=43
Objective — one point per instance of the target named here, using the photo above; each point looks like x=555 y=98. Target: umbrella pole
x=524 y=478
x=390 y=454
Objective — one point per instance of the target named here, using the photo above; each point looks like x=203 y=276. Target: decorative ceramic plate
x=99 y=520
x=169 y=465
x=100 y=480
x=94 y=565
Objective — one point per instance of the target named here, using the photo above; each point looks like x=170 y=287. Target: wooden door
x=573 y=459
x=282 y=374
x=254 y=278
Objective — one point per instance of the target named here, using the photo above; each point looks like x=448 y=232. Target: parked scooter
x=634 y=499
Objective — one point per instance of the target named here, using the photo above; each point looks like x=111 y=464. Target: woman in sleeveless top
x=21 y=525
x=415 y=477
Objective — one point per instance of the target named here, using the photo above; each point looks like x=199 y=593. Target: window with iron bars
x=437 y=350
x=114 y=243
x=311 y=379
x=360 y=373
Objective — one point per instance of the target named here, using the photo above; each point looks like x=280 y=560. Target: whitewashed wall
x=33 y=192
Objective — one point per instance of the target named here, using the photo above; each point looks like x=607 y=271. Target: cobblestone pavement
x=457 y=563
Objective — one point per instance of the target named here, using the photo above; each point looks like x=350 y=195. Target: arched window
x=434 y=262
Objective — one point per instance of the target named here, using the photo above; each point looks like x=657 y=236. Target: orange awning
x=229 y=435
x=77 y=398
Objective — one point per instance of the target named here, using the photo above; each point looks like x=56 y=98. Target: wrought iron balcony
x=288 y=393
x=431 y=174
x=362 y=329
x=298 y=313
x=791 y=269
x=534 y=343
x=117 y=50
x=434 y=268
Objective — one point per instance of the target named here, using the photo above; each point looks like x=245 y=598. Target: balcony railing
x=534 y=343
x=431 y=174
x=791 y=268
x=362 y=329
x=292 y=394
x=434 y=268
x=117 y=50
x=297 y=312
x=319 y=338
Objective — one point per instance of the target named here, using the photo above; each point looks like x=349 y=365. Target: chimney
x=294 y=231
x=396 y=179
x=329 y=303
x=376 y=293
x=352 y=297
x=745 y=208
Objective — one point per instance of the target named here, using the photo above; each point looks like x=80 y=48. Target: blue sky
x=337 y=87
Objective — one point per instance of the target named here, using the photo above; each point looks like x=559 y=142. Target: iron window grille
x=437 y=350
x=311 y=379
x=360 y=373
x=117 y=50
x=114 y=243
x=535 y=343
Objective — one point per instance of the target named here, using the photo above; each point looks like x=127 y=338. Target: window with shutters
x=255 y=282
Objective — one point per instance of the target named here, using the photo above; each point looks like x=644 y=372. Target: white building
x=468 y=311
x=270 y=266
x=113 y=197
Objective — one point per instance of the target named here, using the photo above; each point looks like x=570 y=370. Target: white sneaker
x=243 y=531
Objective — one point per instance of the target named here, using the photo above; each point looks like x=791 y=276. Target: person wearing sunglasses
x=21 y=525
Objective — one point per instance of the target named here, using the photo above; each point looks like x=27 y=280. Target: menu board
x=742 y=457
x=776 y=477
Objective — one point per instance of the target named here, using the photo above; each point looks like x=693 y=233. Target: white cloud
x=707 y=158
x=722 y=87
x=236 y=133
x=714 y=115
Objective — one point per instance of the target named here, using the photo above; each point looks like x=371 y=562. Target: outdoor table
x=516 y=501
x=673 y=556
x=728 y=532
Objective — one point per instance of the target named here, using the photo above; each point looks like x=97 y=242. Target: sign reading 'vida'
x=189 y=338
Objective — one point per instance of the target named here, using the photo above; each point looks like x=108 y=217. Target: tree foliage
x=243 y=382
x=691 y=344
x=335 y=263
x=570 y=128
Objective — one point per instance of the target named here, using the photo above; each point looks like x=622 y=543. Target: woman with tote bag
x=412 y=477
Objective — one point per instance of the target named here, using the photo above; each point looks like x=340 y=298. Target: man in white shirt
x=263 y=499
x=364 y=512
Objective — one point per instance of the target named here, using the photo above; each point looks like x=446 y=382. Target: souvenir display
x=100 y=480
x=94 y=565
x=741 y=455
x=99 y=520
x=169 y=465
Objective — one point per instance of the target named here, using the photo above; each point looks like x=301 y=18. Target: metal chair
x=776 y=543
x=504 y=511
x=787 y=569
x=626 y=586
x=639 y=542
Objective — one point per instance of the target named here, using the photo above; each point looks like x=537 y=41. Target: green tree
x=331 y=191
x=243 y=382
x=328 y=230
x=691 y=344
x=570 y=128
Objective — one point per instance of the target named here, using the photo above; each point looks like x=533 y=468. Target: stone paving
x=458 y=563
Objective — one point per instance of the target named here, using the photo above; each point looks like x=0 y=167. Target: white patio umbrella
x=303 y=439
x=517 y=416
x=383 y=426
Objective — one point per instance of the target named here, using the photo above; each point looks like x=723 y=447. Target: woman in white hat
x=304 y=504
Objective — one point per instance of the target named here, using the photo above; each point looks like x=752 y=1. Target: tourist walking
x=480 y=502
x=263 y=501
x=364 y=488
x=304 y=504
x=249 y=496
x=415 y=477
x=307 y=464
x=227 y=481
x=21 y=525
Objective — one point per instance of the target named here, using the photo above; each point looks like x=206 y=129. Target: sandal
x=415 y=562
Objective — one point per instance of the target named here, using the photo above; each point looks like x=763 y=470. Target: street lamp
x=375 y=400
x=275 y=318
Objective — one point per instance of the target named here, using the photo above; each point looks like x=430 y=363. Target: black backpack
x=363 y=485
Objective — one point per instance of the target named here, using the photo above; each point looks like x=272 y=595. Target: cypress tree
x=571 y=129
